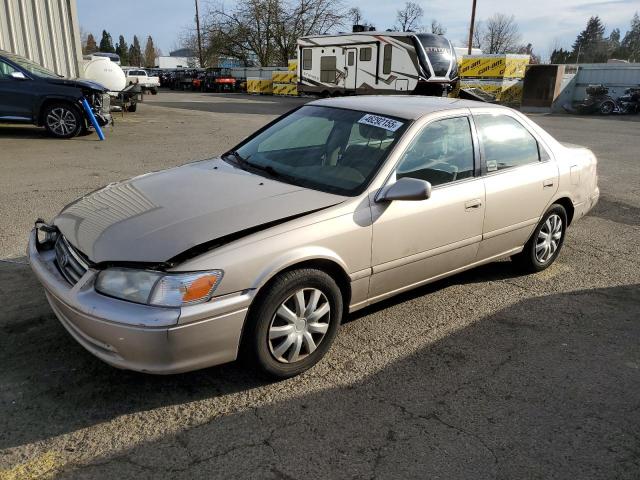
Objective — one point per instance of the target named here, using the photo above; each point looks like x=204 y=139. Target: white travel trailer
x=376 y=62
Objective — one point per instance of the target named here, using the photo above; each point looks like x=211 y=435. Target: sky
x=544 y=23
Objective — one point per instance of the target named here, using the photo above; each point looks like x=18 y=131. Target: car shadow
x=545 y=388
x=27 y=132
x=31 y=132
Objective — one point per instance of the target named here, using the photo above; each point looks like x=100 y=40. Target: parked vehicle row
x=202 y=80
x=330 y=208
x=599 y=100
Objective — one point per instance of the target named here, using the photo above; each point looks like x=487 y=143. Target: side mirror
x=18 y=75
x=407 y=189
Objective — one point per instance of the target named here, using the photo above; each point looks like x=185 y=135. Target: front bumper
x=140 y=337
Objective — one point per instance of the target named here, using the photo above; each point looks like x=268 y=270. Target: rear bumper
x=585 y=207
x=140 y=337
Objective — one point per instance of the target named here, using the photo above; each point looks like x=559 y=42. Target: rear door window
x=505 y=142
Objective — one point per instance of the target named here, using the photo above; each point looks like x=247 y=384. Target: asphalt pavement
x=488 y=374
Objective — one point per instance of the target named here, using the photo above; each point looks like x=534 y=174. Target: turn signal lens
x=185 y=289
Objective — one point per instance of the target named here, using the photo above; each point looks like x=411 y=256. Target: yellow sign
x=284 y=77
x=259 y=85
x=285 y=89
x=493 y=66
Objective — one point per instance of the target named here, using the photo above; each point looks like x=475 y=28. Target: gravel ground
x=487 y=374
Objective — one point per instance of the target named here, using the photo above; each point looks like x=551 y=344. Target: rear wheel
x=62 y=120
x=293 y=322
x=544 y=246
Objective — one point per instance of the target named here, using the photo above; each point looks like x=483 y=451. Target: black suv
x=29 y=93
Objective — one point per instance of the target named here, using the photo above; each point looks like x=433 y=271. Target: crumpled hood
x=154 y=217
x=78 y=82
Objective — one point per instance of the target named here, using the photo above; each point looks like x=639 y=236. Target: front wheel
x=293 y=322
x=607 y=108
x=543 y=247
x=63 y=120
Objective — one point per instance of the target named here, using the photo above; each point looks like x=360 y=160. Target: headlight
x=158 y=288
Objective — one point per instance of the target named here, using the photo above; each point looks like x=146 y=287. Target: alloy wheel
x=549 y=238
x=299 y=325
x=61 y=121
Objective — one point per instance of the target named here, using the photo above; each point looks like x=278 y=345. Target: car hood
x=78 y=82
x=155 y=217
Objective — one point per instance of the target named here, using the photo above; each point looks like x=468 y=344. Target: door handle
x=475 y=203
x=548 y=183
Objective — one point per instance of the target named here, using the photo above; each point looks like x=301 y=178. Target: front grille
x=69 y=262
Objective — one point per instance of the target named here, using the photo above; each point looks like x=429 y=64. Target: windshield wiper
x=237 y=158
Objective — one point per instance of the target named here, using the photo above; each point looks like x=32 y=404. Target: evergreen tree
x=122 y=49
x=630 y=44
x=590 y=46
x=106 y=43
x=91 y=45
x=149 y=53
x=135 y=54
x=560 y=56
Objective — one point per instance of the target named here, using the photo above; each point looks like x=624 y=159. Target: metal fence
x=45 y=31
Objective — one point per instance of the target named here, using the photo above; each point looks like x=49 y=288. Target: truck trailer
x=376 y=62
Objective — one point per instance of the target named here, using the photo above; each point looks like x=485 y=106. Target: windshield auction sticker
x=381 y=122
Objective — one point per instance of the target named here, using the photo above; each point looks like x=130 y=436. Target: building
x=181 y=58
x=46 y=32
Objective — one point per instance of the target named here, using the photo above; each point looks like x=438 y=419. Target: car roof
x=409 y=107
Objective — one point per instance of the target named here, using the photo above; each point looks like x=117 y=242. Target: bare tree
x=501 y=34
x=437 y=28
x=527 y=49
x=354 y=14
x=266 y=31
x=299 y=18
x=408 y=19
x=478 y=34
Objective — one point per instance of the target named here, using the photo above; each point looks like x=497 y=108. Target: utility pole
x=471 y=26
x=199 y=37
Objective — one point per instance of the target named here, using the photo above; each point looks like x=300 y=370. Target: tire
x=268 y=332
x=538 y=255
x=154 y=91
x=62 y=120
x=132 y=107
x=607 y=108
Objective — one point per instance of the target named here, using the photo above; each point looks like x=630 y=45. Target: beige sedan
x=330 y=208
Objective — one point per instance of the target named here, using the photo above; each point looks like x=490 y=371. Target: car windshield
x=30 y=66
x=329 y=149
